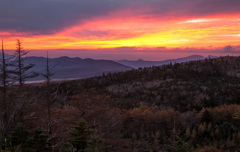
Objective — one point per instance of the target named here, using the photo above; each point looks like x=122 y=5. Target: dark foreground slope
x=191 y=106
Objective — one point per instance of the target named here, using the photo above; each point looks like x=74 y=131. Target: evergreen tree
x=17 y=138
x=38 y=143
x=206 y=117
x=80 y=136
x=179 y=146
x=21 y=139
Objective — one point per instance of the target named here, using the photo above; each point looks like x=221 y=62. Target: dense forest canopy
x=191 y=106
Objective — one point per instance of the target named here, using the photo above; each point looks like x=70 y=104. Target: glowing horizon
x=141 y=30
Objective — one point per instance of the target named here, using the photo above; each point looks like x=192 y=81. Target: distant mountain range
x=72 y=68
x=141 y=63
x=68 y=68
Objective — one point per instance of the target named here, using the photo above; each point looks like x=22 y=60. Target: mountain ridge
x=72 y=68
x=68 y=68
x=140 y=63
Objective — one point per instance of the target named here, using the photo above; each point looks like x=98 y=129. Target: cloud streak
x=50 y=16
x=123 y=27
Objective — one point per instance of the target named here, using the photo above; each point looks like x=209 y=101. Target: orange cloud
x=141 y=31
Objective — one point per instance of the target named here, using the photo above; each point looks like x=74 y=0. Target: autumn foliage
x=191 y=106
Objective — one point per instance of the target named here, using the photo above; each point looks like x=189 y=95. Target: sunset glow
x=126 y=28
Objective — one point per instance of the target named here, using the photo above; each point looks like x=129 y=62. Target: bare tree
x=4 y=79
x=48 y=73
x=12 y=107
x=14 y=110
x=22 y=72
x=3 y=74
x=49 y=99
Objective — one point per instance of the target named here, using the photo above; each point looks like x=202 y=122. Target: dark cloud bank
x=49 y=16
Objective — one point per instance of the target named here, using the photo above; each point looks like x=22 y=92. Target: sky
x=122 y=29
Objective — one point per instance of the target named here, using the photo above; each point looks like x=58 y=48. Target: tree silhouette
x=22 y=72
x=3 y=75
x=49 y=99
x=4 y=80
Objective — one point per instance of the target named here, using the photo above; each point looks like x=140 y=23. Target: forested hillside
x=191 y=106
x=213 y=81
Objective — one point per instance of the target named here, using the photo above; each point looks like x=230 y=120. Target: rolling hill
x=141 y=63
x=67 y=68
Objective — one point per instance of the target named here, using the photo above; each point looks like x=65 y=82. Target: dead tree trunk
x=22 y=72
x=49 y=100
